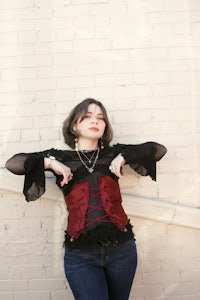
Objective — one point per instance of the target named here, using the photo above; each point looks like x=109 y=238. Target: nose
x=94 y=120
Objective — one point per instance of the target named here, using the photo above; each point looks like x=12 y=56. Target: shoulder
x=61 y=154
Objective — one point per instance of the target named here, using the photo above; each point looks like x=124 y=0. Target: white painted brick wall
x=141 y=58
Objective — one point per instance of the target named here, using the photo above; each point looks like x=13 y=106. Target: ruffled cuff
x=34 y=182
x=142 y=158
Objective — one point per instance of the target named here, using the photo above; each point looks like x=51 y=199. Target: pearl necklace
x=90 y=169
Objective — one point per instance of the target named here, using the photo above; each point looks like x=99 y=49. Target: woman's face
x=92 y=124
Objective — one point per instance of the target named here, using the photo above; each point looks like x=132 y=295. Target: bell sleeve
x=142 y=158
x=32 y=166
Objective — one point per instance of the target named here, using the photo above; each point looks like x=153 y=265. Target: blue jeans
x=102 y=274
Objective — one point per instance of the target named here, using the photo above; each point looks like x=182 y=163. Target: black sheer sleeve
x=16 y=164
x=143 y=157
x=32 y=166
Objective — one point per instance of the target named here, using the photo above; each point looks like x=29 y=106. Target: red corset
x=77 y=202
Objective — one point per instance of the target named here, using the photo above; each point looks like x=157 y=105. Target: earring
x=76 y=143
x=102 y=145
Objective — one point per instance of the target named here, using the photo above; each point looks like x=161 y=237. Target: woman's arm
x=33 y=165
x=117 y=164
x=50 y=163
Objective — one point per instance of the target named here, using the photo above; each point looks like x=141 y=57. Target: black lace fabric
x=100 y=235
x=142 y=158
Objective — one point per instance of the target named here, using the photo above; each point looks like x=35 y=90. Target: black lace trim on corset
x=99 y=235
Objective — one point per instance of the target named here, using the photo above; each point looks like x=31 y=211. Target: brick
x=151 y=266
x=72 y=10
x=54 y=134
x=148 y=291
x=32 y=295
x=10 y=111
x=103 y=92
x=71 y=59
x=56 y=95
x=63 y=46
x=17 y=97
x=56 y=72
x=19 y=73
x=6 y=295
x=34 y=13
x=113 y=79
x=46 y=36
x=53 y=3
x=34 y=61
x=167 y=17
x=27 y=37
x=74 y=82
x=47 y=284
x=8 y=37
x=132 y=91
x=175 y=5
x=13 y=136
x=36 y=109
x=7 y=285
x=161 y=277
x=8 y=86
x=8 y=14
x=30 y=135
x=183 y=289
x=58 y=23
x=24 y=273
x=82 y=21
x=62 y=295
x=94 y=69
x=37 y=84
x=83 y=33
x=16 y=25
x=153 y=77
x=16 y=123
x=91 y=45
x=7 y=62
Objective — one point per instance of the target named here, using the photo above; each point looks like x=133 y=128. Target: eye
x=87 y=116
x=101 y=118
x=84 y=117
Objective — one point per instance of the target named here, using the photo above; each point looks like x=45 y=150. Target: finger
x=66 y=178
x=63 y=182
x=118 y=173
x=70 y=175
x=114 y=170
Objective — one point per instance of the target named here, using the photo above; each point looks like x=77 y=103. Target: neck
x=85 y=145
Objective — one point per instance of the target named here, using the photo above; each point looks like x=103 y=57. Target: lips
x=93 y=129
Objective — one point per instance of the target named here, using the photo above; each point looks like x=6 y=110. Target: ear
x=74 y=129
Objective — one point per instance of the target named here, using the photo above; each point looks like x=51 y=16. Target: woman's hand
x=59 y=169
x=116 y=165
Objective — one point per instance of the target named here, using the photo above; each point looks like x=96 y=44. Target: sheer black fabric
x=32 y=166
x=142 y=158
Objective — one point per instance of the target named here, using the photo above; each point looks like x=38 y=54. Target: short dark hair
x=78 y=111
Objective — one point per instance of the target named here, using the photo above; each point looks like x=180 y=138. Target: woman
x=100 y=252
